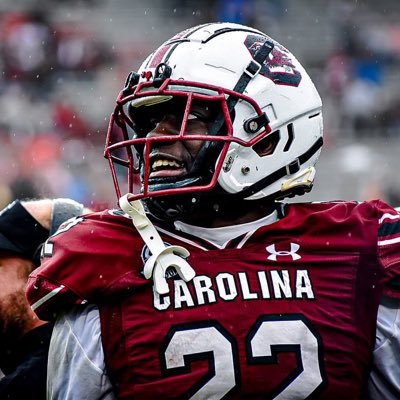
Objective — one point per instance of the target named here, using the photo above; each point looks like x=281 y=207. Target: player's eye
x=193 y=116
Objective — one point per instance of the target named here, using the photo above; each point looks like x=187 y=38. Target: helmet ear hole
x=253 y=124
x=267 y=145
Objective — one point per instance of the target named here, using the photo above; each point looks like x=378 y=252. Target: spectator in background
x=28 y=45
x=41 y=55
x=24 y=339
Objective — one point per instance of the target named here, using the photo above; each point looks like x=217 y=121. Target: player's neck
x=234 y=216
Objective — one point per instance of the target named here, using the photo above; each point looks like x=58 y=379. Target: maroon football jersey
x=285 y=312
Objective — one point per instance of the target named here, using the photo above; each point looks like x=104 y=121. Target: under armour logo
x=294 y=247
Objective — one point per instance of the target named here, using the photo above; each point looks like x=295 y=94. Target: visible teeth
x=165 y=163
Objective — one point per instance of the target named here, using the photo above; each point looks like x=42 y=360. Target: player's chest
x=256 y=317
x=275 y=275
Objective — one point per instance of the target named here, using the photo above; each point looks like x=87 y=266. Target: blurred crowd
x=361 y=72
x=53 y=116
x=47 y=140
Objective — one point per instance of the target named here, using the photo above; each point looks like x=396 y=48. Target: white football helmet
x=266 y=133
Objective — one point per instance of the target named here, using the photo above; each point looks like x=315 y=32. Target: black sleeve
x=64 y=209
x=28 y=381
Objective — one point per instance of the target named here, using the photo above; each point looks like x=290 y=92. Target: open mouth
x=162 y=166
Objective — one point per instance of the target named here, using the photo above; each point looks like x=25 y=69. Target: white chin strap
x=162 y=257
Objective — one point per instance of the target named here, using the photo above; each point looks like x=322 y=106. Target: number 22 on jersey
x=270 y=335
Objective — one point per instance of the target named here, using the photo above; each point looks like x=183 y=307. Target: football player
x=204 y=284
x=24 y=339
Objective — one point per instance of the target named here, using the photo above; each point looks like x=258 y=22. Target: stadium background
x=63 y=63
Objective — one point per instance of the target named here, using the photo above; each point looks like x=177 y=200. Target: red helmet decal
x=147 y=75
x=278 y=66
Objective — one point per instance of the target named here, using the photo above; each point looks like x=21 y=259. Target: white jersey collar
x=219 y=236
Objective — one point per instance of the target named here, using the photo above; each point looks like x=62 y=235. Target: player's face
x=13 y=304
x=174 y=159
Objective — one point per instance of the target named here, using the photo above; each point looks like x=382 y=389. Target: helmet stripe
x=281 y=172
x=161 y=53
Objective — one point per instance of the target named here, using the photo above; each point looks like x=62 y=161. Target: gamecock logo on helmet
x=278 y=66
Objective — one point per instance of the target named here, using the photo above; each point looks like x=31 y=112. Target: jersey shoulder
x=365 y=217
x=89 y=256
x=103 y=234
x=369 y=228
x=343 y=209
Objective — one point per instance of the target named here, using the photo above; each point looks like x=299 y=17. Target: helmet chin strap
x=202 y=208
x=162 y=256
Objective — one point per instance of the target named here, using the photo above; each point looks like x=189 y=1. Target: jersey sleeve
x=388 y=247
x=384 y=381
x=88 y=259
x=82 y=359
